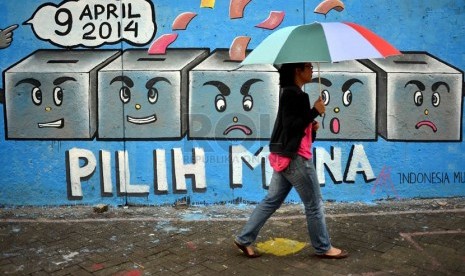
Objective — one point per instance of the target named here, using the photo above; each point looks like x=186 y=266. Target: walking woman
x=291 y=159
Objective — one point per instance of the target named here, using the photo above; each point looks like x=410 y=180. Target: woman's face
x=305 y=74
x=309 y=71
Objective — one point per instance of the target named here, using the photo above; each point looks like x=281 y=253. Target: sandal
x=342 y=255
x=244 y=250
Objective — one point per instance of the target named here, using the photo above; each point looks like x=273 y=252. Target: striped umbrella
x=320 y=42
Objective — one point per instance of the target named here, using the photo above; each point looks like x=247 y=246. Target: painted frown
x=231 y=110
x=423 y=108
x=227 y=102
x=223 y=98
x=419 y=98
x=426 y=104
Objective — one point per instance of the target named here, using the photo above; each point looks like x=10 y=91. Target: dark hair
x=287 y=73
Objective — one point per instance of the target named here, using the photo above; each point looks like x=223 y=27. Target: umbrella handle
x=319 y=82
x=319 y=79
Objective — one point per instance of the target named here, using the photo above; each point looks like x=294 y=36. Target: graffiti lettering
x=239 y=155
x=194 y=171
x=357 y=164
x=81 y=165
x=123 y=177
x=104 y=30
x=459 y=177
x=431 y=177
x=88 y=23
x=75 y=173
x=68 y=21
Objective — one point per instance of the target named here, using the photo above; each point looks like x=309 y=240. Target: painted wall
x=89 y=116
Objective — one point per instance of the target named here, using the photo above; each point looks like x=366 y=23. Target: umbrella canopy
x=320 y=42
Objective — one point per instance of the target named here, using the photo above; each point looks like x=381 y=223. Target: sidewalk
x=414 y=237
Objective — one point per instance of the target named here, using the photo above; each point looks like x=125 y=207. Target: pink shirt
x=306 y=143
x=280 y=163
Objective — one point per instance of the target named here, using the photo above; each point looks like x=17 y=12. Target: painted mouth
x=245 y=129
x=143 y=120
x=335 y=125
x=426 y=123
x=55 y=124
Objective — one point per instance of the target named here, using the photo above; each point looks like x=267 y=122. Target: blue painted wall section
x=142 y=102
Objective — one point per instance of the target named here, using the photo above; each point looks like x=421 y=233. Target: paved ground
x=416 y=237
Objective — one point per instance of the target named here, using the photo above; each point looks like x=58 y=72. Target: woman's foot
x=247 y=250
x=334 y=253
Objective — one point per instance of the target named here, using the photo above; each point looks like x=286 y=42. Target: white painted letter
x=124 y=185
x=331 y=161
x=358 y=163
x=105 y=173
x=160 y=178
x=239 y=154
x=75 y=172
x=194 y=171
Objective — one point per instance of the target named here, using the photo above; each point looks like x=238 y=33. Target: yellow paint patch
x=281 y=246
x=207 y=4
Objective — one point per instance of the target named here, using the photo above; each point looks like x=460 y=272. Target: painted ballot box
x=144 y=96
x=348 y=90
x=419 y=98
x=228 y=102
x=52 y=94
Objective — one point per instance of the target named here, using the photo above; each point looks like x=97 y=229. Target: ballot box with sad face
x=419 y=98
x=227 y=101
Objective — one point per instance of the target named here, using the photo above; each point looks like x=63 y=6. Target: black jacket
x=294 y=116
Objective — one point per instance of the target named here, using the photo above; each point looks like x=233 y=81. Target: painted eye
x=347 y=98
x=325 y=97
x=152 y=95
x=36 y=96
x=418 y=98
x=125 y=94
x=220 y=103
x=247 y=103
x=58 y=96
x=436 y=99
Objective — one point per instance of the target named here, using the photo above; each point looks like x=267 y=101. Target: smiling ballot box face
x=144 y=96
x=51 y=94
x=230 y=103
x=420 y=98
x=348 y=90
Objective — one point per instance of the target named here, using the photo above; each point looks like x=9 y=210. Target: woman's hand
x=315 y=125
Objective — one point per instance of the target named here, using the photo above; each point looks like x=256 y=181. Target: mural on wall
x=95 y=23
x=143 y=113
x=419 y=98
x=6 y=36
x=225 y=103
x=348 y=90
x=148 y=99
x=52 y=95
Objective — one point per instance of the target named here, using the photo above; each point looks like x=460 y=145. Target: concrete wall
x=89 y=116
